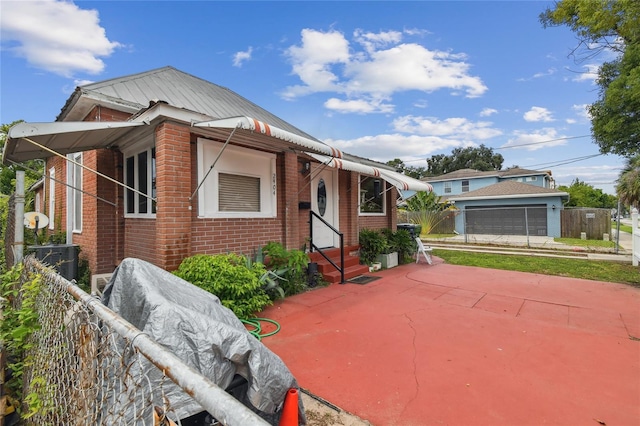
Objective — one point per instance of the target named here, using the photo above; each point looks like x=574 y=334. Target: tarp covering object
x=198 y=329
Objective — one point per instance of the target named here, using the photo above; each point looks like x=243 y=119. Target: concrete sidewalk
x=458 y=345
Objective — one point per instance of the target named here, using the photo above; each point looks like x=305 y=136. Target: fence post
x=635 y=238
x=18 y=246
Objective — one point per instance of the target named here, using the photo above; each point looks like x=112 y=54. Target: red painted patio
x=457 y=345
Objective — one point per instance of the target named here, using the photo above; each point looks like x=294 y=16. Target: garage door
x=506 y=220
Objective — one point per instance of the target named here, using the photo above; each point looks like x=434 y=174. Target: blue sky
x=381 y=80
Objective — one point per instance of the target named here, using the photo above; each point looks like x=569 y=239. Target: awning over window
x=258 y=129
x=404 y=183
x=62 y=137
x=400 y=181
x=343 y=164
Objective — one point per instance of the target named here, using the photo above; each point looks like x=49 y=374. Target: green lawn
x=575 y=268
x=625 y=228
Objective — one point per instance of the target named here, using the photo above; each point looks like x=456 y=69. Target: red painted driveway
x=455 y=345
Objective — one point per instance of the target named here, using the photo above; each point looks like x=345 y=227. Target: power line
x=541 y=142
x=516 y=146
x=565 y=161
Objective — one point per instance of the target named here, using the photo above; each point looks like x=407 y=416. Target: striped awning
x=403 y=182
x=257 y=128
x=341 y=163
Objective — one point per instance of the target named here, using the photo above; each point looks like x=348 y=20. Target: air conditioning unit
x=99 y=282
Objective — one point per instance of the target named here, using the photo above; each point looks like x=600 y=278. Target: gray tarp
x=193 y=324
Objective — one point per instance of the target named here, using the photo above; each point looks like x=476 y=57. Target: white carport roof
x=29 y=141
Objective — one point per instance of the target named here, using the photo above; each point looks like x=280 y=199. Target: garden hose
x=257 y=328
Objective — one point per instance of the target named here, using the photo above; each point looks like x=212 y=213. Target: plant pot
x=388 y=260
x=376 y=266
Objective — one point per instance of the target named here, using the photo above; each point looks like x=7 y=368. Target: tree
x=411 y=171
x=628 y=186
x=481 y=158
x=33 y=169
x=581 y=194
x=613 y=26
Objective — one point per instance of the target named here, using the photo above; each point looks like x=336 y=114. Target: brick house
x=162 y=165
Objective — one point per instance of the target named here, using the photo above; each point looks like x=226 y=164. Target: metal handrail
x=312 y=246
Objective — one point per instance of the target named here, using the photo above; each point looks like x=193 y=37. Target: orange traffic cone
x=290 y=410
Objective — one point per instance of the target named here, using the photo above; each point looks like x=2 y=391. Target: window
x=52 y=196
x=140 y=174
x=241 y=185
x=447 y=187
x=372 y=196
x=237 y=193
x=75 y=180
x=465 y=186
x=532 y=178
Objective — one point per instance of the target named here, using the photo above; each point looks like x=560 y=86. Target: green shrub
x=372 y=244
x=291 y=265
x=227 y=276
x=403 y=243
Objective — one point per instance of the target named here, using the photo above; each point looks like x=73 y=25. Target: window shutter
x=237 y=193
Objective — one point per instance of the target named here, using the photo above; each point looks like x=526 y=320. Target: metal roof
x=179 y=89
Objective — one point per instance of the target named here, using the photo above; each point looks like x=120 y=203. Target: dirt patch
x=322 y=413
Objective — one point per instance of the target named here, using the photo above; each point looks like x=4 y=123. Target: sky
x=381 y=80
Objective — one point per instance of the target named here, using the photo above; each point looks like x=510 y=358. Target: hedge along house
x=162 y=165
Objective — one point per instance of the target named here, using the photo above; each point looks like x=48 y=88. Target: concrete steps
x=352 y=266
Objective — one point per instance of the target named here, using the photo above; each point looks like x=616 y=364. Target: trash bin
x=62 y=257
x=412 y=228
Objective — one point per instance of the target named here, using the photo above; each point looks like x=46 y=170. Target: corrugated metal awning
x=61 y=137
x=260 y=131
x=340 y=163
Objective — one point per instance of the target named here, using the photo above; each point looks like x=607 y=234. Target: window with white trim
x=140 y=174
x=76 y=192
x=241 y=184
x=372 y=196
x=52 y=196
x=532 y=178
x=447 y=187
x=465 y=186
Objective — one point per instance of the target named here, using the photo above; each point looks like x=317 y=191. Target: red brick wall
x=141 y=241
x=173 y=217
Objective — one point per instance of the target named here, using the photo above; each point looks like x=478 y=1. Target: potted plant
x=372 y=244
x=389 y=256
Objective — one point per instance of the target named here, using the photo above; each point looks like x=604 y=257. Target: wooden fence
x=594 y=223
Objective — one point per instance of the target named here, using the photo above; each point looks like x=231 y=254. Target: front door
x=324 y=204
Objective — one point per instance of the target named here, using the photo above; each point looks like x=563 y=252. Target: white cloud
x=456 y=127
x=56 y=36
x=326 y=62
x=534 y=141
x=537 y=114
x=386 y=147
x=589 y=73
x=312 y=61
x=486 y=112
x=372 y=41
x=359 y=106
x=571 y=121
x=581 y=111
x=240 y=57
x=546 y=73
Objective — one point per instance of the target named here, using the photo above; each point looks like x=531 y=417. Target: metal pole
x=618 y=227
x=18 y=246
x=526 y=224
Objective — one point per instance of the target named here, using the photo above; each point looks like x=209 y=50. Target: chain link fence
x=90 y=367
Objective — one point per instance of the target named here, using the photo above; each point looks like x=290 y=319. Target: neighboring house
x=162 y=165
x=506 y=202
